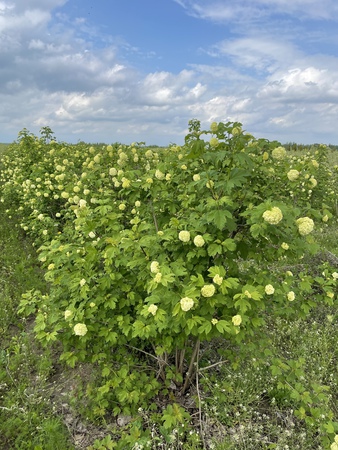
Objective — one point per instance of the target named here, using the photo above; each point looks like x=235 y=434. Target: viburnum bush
x=152 y=251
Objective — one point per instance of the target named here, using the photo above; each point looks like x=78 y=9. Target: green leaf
x=205 y=327
x=214 y=249
x=223 y=326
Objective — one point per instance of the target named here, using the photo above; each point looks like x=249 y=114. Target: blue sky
x=139 y=70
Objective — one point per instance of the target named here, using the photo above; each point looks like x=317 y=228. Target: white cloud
x=243 y=11
x=53 y=73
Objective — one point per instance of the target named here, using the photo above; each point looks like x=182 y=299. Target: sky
x=138 y=70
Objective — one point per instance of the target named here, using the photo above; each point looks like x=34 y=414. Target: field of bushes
x=168 y=298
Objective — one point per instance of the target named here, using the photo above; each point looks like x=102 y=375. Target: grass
x=27 y=420
x=247 y=403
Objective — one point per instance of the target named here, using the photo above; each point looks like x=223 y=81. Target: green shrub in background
x=149 y=253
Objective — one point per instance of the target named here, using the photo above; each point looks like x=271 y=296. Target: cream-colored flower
x=210 y=184
x=335 y=275
x=183 y=167
x=196 y=177
x=289 y=273
x=159 y=175
x=291 y=296
x=92 y=304
x=51 y=266
x=247 y=294
x=305 y=225
x=137 y=203
x=92 y=235
x=122 y=207
x=208 y=290
x=236 y=130
x=214 y=321
x=278 y=153
x=184 y=236
x=325 y=218
x=158 y=277
x=315 y=164
x=125 y=183
x=112 y=171
x=154 y=267
x=330 y=294
x=214 y=127
x=80 y=329
x=269 y=289
x=217 y=279
x=152 y=309
x=82 y=203
x=213 y=142
x=285 y=246
x=237 y=320
x=273 y=215
x=313 y=182
x=186 y=303
x=293 y=174
x=83 y=282
x=68 y=314
x=199 y=241
x=265 y=156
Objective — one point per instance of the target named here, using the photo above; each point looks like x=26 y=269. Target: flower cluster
x=186 y=303
x=152 y=309
x=278 y=153
x=237 y=320
x=217 y=279
x=305 y=225
x=184 y=236
x=199 y=241
x=208 y=290
x=269 y=289
x=80 y=329
x=154 y=267
x=273 y=215
x=293 y=174
x=291 y=296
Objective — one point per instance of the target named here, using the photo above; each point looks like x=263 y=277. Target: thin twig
x=212 y=365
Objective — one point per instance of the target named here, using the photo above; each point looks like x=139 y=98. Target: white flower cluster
x=184 y=236
x=293 y=174
x=186 y=303
x=237 y=320
x=80 y=329
x=199 y=241
x=269 y=289
x=305 y=225
x=208 y=290
x=152 y=309
x=278 y=153
x=273 y=215
x=154 y=267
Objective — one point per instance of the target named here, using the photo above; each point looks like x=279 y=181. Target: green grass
x=27 y=421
